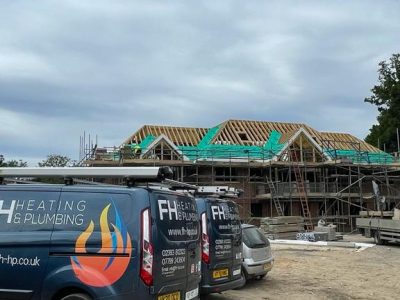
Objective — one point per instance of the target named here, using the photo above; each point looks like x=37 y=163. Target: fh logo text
x=173 y=210
x=218 y=211
x=9 y=211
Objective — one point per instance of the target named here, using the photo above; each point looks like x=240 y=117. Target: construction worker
x=136 y=149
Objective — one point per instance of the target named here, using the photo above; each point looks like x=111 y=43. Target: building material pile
x=282 y=227
x=322 y=232
x=330 y=231
x=376 y=213
x=312 y=236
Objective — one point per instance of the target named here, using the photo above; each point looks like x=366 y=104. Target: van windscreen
x=254 y=238
x=177 y=217
x=225 y=217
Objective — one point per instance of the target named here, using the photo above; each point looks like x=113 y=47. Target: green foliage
x=386 y=96
x=12 y=163
x=55 y=160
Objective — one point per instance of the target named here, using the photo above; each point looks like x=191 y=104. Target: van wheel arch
x=72 y=294
x=244 y=274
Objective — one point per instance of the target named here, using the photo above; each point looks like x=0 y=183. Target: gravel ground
x=308 y=272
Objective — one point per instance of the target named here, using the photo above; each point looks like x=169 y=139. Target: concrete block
x=330 y=230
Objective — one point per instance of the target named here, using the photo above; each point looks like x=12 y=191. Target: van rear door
x=93 y=242
x=176 y=241
x=226 y=241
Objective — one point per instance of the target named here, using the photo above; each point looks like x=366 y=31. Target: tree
x=386 y=96
x=12 y=163
x=55 y=160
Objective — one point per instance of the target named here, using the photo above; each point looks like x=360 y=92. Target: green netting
x=208 y=137
x=272 y=143
x=361 y=156
x=206 y=150
x=147 y=141
x=143 y=145
x=224 y=151
x=235 y=151
x=190 y=151
x=381 y=158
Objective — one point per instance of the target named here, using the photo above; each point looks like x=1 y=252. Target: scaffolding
x=330 y=181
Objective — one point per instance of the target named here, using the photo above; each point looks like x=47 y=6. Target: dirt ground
x=304 y=272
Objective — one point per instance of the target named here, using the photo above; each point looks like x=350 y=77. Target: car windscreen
x=254 y=238
x=225 y=217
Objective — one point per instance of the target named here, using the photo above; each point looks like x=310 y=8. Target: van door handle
x=192 y=253
x=192 y=246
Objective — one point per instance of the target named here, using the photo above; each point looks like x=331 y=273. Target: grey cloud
x=109 y=67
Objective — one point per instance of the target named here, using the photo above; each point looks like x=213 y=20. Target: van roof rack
x=223 y=191
x=215 y=191
x=130 y=174
x=173 y=185
x=178 y=185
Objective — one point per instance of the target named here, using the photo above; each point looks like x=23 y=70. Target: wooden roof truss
x=180 y=136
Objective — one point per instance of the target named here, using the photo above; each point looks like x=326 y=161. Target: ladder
x=301 y=190
x=274 y=197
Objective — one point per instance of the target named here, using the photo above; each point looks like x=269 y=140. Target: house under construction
x=283 y=168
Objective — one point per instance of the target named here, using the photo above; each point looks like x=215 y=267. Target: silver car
x=257 y=256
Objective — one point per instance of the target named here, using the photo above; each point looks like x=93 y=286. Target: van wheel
x=244 y=280
x=78 y=296
x=245 y=275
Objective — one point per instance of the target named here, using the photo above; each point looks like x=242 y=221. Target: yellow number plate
x=172 y=296
x=220 y=273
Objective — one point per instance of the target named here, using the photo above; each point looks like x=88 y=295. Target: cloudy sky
x=108 y=67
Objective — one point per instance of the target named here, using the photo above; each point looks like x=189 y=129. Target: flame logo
x=103 y=270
